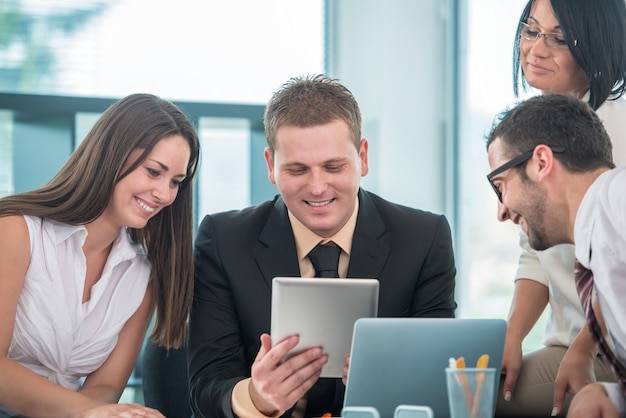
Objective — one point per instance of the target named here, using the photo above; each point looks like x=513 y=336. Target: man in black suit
x=316 y=157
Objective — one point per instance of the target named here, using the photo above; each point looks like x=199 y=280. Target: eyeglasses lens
x=552 y=39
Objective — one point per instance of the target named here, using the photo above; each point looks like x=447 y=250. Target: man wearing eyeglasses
x=553 y=174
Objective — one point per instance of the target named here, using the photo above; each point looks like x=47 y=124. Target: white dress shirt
x=554 y=267
x=600 y=235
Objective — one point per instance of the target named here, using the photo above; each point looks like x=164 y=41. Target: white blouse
x=56 y=335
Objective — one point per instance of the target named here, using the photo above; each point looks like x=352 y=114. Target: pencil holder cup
x=471 y=392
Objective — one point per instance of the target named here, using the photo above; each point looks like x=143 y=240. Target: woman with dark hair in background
x=569 y=47
x=84 y=259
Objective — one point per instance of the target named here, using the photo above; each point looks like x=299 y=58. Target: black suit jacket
x=237 y=254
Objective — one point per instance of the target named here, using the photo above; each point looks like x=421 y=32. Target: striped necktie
x=584 y=284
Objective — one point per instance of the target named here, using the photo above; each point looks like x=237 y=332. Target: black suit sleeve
x=216 y=353
x=434 y=296
x=410 y=252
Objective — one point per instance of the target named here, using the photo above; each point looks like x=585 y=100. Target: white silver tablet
x=322 y=312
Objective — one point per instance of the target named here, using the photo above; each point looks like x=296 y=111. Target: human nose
x=162 y=192
x=503 y=212
x=539 y=46
x=317 y=182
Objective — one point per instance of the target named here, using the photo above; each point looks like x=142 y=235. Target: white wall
x=392 y=56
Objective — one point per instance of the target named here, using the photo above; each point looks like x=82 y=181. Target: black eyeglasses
x=517 y=161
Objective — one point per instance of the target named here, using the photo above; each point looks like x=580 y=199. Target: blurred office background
x=430 y=75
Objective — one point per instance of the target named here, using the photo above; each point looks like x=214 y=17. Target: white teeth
x=319 y=203
x=145 y=207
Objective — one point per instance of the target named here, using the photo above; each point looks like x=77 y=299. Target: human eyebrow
x=293 y=165
x=335 y=164
x=166 y=169
x=533 y=21
x=295 y=168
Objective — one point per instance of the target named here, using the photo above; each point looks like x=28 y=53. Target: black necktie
x=584 y=284
x=325 y=260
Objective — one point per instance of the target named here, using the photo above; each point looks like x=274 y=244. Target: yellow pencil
x=460 y=364
x=480 y=377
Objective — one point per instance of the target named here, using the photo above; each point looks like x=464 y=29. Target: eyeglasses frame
x=515 y=162
x=542 y=34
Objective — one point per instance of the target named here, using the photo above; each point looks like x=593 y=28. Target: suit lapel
x=276 y=255
x=369 y=248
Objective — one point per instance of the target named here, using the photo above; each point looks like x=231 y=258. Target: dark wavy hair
x=556 y=120
x=83 y=188
x=595 y=33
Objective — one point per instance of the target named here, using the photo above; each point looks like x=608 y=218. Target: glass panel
x=224 y=173
x=33 y=35
x=223 y=51
x=6 y=152
x=83 y=124
x=490 y=248
x=236 y=51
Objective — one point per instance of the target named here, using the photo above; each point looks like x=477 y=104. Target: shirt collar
x=63 y=231
x=123 y=247
x=307 y=239
x=585 y=220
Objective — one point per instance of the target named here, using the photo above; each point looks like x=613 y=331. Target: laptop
x=322 y=312
x=396 y=361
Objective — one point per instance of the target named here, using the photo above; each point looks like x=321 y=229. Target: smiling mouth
x=145 y=207
x=537 y=68
x=317 y=204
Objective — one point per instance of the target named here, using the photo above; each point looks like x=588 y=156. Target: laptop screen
x=397 y=361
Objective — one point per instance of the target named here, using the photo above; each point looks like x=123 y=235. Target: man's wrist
x=242 y=404
x=584 y=344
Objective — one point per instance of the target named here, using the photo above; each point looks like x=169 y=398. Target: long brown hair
x=82 y=189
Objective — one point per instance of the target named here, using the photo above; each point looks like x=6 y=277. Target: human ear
x=269 y=160
x=544 y=161
x=363 y=157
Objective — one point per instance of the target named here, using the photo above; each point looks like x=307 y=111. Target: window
x=225 y=168
x=210 y=51
x=490 y=249
x=230 y=52
x=6 y=152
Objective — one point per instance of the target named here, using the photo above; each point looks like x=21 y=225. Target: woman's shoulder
x=14 y=240
x=11 y=225
x=612 y=113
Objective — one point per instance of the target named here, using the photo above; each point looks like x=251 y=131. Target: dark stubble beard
x=536 y=222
